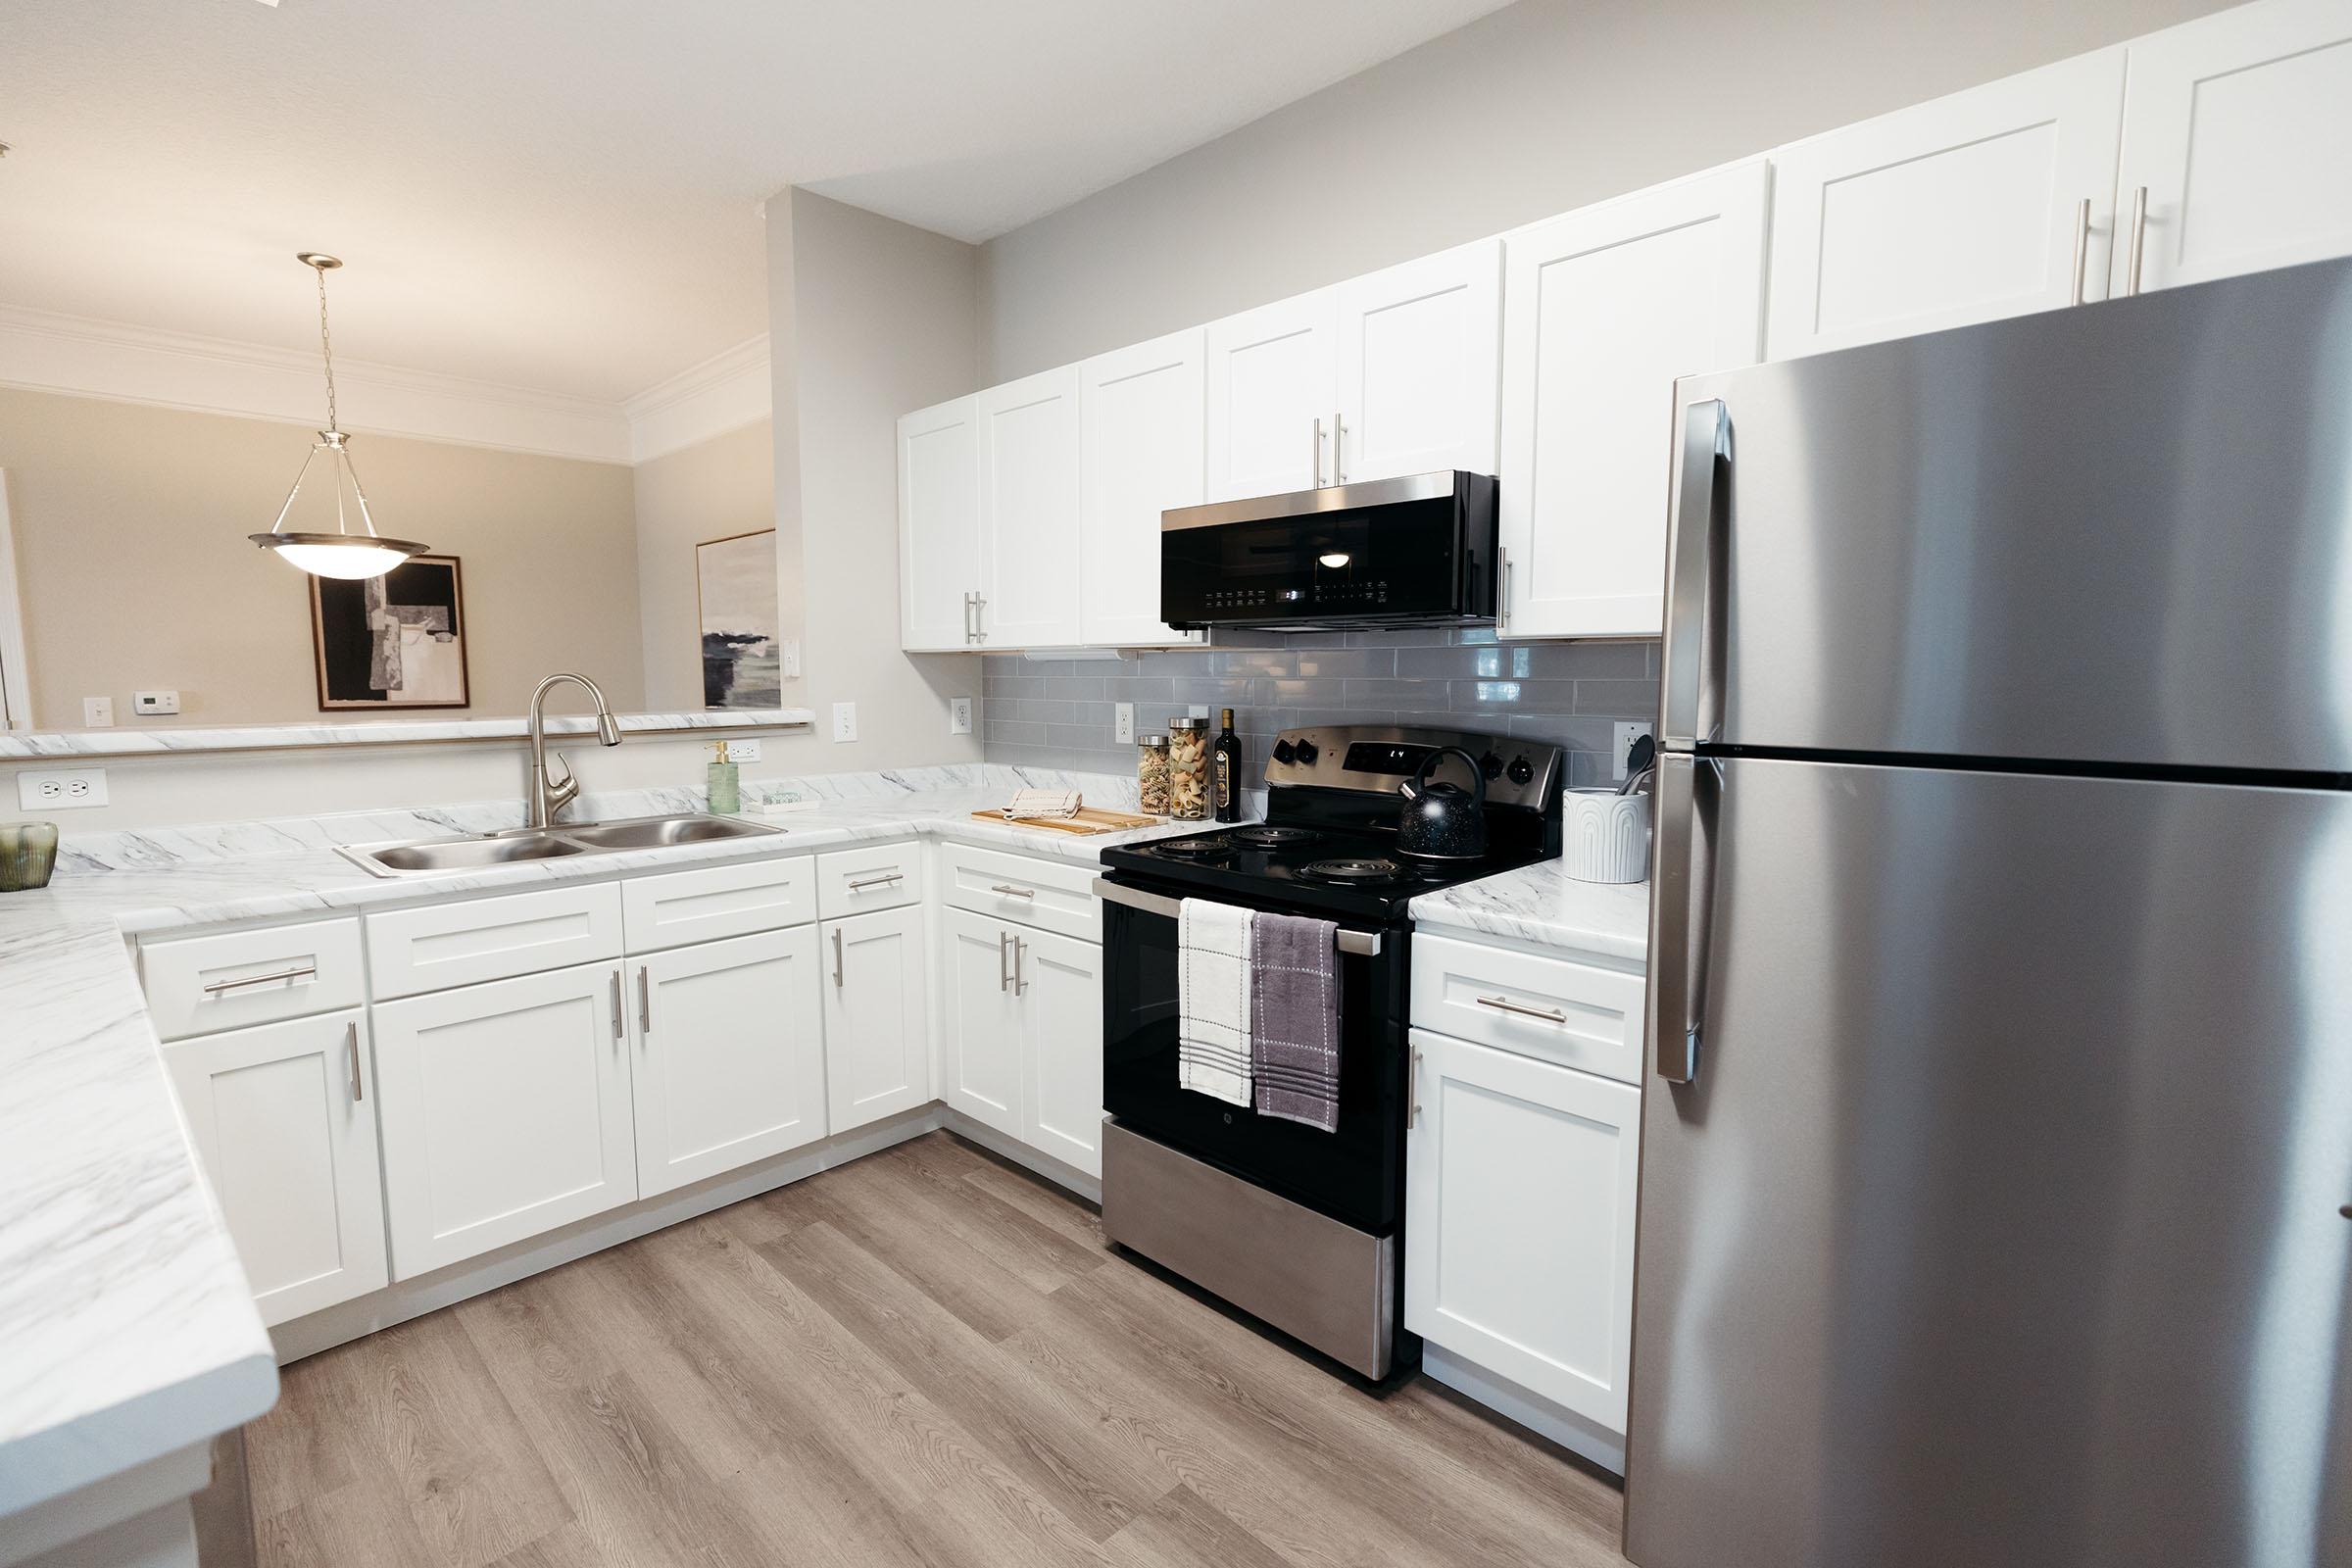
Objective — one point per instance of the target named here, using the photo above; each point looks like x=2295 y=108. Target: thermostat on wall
x=154 y=705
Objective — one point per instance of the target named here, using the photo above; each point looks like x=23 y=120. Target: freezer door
x=1999 y=1222
x=2120 y=534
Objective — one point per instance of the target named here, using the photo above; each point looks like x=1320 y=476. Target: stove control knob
x=1490 y=766
x=1521 y=770
x=1307 y=753
x=1285 y=752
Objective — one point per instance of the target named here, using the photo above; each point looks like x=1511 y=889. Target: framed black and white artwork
x=735 y=579
x=395 y=640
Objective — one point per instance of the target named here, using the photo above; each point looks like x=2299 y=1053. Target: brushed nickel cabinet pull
x=2082 y=246
x=1019 y=985
x=1505 y=1005
x=1014 y=893
x=1412 y=1088
x=837 y=957
x=351 y=1048
x=1004 y=960
x=645 y=999
x=863 y=883
x=307 y=971
x=621 y=1030
x=1318 y=452
x=2139 y=237
x=1339 y=448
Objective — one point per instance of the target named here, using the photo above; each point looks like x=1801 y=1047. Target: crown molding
x=727 y=391
x=44 y=351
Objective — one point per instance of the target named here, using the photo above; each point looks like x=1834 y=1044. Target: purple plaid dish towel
x=1295 y=1019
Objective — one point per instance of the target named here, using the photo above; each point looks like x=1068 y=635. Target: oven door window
x=1353 y=1174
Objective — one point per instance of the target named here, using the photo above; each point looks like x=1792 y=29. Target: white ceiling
x=562 y=194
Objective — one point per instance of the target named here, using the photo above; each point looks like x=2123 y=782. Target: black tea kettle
x=1444 y=821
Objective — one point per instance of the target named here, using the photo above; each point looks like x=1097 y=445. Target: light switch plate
x=959 y=715
x=1628 y=732
x=788 y=660
x=98 y=712
x=63 y=790
x=844 y=722
x=1123 y=719
x=746 y=749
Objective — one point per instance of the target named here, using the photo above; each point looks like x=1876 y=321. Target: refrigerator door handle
x=1687 y=690
x=1680 y=912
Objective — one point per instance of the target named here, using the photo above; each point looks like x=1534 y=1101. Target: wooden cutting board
x=1090 y=819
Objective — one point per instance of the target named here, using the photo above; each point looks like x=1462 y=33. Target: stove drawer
x=1557 y=1009
x=1050 y=894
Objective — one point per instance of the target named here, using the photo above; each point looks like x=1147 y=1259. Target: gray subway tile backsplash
x=1058 y=712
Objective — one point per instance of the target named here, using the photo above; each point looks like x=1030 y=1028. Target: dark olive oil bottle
x=1225 y=773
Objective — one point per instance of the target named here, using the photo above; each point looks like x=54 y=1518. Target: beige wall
x=711 y=490
x=1537 y=109
x=880 y=321
x=130 y=526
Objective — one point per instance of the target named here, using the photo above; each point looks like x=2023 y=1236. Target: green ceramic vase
x=28 y=854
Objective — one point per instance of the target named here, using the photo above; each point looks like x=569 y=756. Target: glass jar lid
x=1188 y=724
x=1150 y=742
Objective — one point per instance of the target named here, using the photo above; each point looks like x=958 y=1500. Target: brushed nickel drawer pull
x=1505 y=1005
x=308 y=971
x=1019 y=985
x=1013 y=892
x=351 y=1047
x=877 y=881
x=645 y=999
x=837 y=957
x=619 y=1029
x=1004 y=960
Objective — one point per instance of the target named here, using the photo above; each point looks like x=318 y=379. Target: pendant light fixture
x=341 y=554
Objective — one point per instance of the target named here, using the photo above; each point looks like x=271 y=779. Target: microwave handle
x=1360 y=943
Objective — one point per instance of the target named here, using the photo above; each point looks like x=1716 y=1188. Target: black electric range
x=1235 y=1200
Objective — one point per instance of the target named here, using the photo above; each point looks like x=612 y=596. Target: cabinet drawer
x=862 y=881
x=1557 y=1010
x=717 y=901
x=443 y=945
x=197 y=985
x=1053 y=896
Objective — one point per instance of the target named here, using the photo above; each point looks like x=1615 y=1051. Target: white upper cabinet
x=1142 y=433
x=1419 y=347
x=730 y=1055
x=1605 y=308
x=2237 y=125
x=1273 y=397
x=939 y=533
x=1029 y=538
x=1964 y=210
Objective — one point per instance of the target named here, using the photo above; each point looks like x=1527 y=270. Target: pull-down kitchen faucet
x=547 y=799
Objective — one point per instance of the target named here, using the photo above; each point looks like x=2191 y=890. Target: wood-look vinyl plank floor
x=923 y=1359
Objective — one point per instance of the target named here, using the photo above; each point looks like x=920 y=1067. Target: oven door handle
x=1362 y=944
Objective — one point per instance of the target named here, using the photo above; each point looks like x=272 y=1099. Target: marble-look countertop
x=127 y=1325
x=164 y=741
x=1543 y=904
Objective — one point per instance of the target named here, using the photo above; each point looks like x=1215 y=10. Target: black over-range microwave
x=1419 y=551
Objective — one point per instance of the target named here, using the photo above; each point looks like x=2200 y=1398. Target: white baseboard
x=429 y=1293
x=1579 y=1435
x=1053 y=1170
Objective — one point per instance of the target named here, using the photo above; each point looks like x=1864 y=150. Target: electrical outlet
x=98 y=712
x=1197 y=711
x=959 y=715
x=1123 y=716
x=844 y=722
x=746 y=749
x=154 y=705
x=65 y=791
x=1628 y=732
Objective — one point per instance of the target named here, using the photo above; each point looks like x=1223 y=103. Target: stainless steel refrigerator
x=1999 y=1136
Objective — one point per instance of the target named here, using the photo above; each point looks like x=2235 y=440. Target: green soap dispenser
x=726 y=783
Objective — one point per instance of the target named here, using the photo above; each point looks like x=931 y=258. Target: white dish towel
x=1212 y=991
x=1032 y=805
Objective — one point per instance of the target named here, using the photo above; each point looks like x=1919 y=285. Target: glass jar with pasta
x=1188 y=769
x=1152 y=774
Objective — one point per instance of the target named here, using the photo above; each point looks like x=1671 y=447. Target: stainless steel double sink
x=511 y=845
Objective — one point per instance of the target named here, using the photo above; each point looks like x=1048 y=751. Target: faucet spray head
x=608 y=729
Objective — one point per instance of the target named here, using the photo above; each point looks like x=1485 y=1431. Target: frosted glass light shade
x=338 y=555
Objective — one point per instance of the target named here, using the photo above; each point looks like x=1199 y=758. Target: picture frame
x=739 y=619
x=394 y=643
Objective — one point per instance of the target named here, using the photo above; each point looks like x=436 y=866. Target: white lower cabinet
x=505 y=1112
x=730 y=1059
x=1058 y=984
x=1021 y=1034
x=284 y=1124
x=877 y=1018
x=979 y=1020
x=1519 y=1221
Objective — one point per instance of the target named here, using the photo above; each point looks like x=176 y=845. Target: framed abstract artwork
x=395 y=640
x=735 y=581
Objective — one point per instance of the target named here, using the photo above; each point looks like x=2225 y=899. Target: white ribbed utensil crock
x=1605 y=836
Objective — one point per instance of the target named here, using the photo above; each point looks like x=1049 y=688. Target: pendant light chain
x=326 y=350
